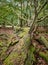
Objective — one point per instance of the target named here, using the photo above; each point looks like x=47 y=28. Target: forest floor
x=13 y=49
x=40 y=49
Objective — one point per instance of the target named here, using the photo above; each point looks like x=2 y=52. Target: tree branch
x=35 y=18
x=42 y=7
x=42 y=18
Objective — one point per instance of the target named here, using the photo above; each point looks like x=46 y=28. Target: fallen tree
x=44 y=56
x=43 y=41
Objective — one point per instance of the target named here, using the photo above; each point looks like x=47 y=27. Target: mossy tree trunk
x=21 y=16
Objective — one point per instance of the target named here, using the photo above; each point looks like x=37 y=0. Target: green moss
x=8 y=63
x=31 y=57
x=10 y=58
x=23 y=31
x=3 y=54
x=18 y=29
x=26 y=29
x=14 y=42
x=21 y=34
x=43 y=40
x=31 y=53
x=1 y=43
x=37 y=32
x=26 y=41
x=44 y=56
x=23 y=55
x=14 y=56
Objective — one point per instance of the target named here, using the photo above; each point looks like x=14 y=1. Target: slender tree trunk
x=31 y=32
x=3 y=25
x=30 y=9
x=21 y=16
x=33 y=26
x=12 y=23
x=27 y=13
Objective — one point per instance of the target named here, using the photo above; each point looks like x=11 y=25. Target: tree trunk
x=34 y=25
x=27 y=13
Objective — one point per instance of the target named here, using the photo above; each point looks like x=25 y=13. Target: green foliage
x=12 y=10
